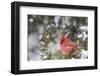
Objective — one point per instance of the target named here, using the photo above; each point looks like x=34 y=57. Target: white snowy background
x=5 y=41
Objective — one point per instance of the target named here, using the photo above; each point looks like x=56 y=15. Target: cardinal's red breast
x=66 y=44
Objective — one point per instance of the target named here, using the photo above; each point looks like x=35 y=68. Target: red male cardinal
x=66 y=44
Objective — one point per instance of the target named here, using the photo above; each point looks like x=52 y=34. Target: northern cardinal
x=66 y=44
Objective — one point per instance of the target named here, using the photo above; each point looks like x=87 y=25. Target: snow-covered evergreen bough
x=57 y=37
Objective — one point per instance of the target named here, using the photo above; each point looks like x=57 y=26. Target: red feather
x=66 y=44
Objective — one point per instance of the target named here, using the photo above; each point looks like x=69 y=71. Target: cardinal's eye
x=61 y=41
